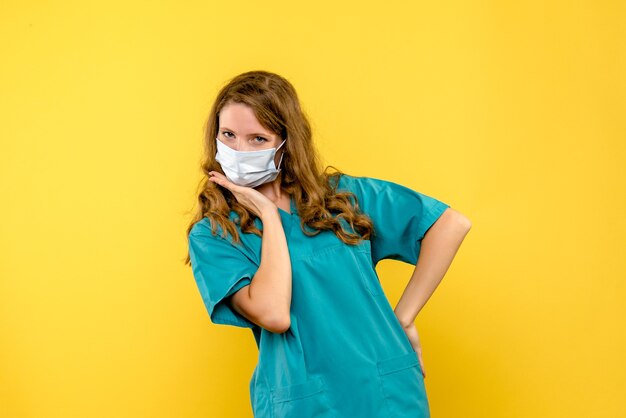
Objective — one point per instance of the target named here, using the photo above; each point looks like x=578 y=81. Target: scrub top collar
x=292 y=208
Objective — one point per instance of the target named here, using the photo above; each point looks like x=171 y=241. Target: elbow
x=277 y=325
x=272 y=319
x=463 y=222
x=276 y=320
x=457 y=221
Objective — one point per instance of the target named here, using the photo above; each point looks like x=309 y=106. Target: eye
x=225 y=133
x=263 y=139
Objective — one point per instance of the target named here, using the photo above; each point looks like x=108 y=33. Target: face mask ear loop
x=281 y=155
x=281 y=159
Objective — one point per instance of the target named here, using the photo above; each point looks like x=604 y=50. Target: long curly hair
x=275 y=104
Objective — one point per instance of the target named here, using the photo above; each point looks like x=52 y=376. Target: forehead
x=240 y=118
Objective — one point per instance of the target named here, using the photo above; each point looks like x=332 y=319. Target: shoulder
x=204 y=226
x=203 y=229
x=360 y=185
x=343 y=181
x=203 y=242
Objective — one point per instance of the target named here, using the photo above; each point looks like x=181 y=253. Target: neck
x=271 y=189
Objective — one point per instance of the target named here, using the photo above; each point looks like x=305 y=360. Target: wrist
x=269 y=212
x=404 y=322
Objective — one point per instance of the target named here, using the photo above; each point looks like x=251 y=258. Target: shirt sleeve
x=401 y=216
x=220 y=269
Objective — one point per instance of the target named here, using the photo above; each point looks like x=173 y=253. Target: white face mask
x=248 y=168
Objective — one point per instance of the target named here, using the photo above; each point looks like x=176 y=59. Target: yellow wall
x=512 y=114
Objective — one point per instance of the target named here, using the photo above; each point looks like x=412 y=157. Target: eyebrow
x=232 y=130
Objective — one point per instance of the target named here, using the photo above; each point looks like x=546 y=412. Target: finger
x=220 y=179
x=419 y=355
x=217 y=174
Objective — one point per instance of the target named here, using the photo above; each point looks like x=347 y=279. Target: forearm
x=270 y=290
x=438 y=248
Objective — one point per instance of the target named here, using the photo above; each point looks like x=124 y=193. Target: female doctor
x=288 y=250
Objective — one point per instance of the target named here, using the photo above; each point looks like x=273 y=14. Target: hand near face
x=253 y=200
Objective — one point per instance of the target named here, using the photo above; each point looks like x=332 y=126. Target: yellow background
x=514 y=114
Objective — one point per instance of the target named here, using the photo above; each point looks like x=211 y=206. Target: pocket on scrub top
x=302 y=400
x=362 y=256
x=402 y=384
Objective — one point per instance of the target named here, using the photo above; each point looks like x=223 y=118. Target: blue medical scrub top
x=345 y=354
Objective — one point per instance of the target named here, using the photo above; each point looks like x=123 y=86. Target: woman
x=289 y=251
